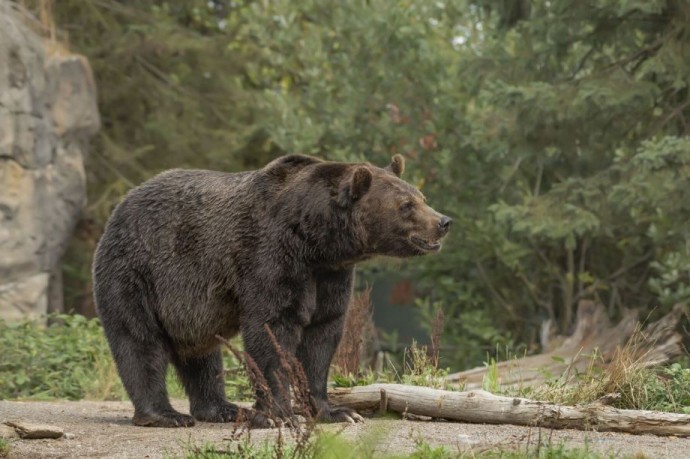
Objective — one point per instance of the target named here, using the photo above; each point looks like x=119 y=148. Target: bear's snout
x=444 y=224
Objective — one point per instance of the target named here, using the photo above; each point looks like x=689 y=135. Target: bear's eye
x=407 y=206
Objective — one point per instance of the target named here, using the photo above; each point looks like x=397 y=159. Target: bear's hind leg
x=142 y=366
x=203 y=381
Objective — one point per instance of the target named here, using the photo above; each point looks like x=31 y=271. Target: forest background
x=555 y=133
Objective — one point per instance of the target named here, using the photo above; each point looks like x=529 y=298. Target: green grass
x=665 y=388
x=70 y=359
x=331 y=446
x=417 y=369
x=546 y=450
x=4 y=447
x=622 y=373
x=241 y=450
x=660 y=389
x=317 y=446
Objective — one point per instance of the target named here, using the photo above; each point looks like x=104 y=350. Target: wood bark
x=478 y=406
x=652 y=345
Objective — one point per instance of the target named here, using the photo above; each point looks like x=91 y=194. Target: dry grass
x=38 y=15
x=420 y=369
x=436 y=331
x=297 y=391
x=107 y=385
x=625 y=381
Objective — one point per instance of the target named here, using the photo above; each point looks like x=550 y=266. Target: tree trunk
x=483 y=407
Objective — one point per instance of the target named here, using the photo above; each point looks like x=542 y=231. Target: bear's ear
x=361 y=181
x=356 y=186
x=397 y=165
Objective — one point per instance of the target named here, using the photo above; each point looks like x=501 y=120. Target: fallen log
x=478 y=406
x=652 y=345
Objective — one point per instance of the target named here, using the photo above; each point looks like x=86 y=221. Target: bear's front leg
x=315 y=353
x=321 y=338
x=272 y=402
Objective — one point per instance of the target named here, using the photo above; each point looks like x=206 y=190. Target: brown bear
x=192 y=254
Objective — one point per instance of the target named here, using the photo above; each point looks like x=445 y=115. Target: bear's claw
x=340 y=414
x=225 y=412
x=165 y=419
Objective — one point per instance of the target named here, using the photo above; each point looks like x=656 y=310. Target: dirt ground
x=103 y=429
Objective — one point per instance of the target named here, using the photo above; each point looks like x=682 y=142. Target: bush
x=634 y=386
x=667 y=389
x=70 y=359
x=67 y=359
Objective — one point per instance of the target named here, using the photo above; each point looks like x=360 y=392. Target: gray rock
x=48 y=114
x=28 y=431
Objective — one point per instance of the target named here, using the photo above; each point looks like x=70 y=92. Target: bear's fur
x=192 y=254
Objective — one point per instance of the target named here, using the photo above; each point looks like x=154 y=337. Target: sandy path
x=103 y=429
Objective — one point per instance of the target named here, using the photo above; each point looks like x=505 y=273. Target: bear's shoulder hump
x=290 y=164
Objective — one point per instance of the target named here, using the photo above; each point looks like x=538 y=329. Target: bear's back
x=175 y=213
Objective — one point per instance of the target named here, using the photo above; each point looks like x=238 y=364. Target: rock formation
x=48 y=114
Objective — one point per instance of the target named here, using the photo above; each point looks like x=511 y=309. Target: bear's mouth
x=427 y=246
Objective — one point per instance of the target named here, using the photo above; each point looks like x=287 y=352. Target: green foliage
x=577 y=117
x=467 y=328
x=555 y=133
x=4 y=448
x=559 y=145
x=424 y=450
x=636 y=387
x=363 y=378
x=67 y=359
x=237 y=385
x=70 y=359
x=666 y=389
x=330 y=446
x=491 y=382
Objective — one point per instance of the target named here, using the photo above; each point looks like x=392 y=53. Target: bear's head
x=337 y=211
x=392 y=214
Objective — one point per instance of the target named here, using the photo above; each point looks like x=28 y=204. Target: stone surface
x=7 y=432
x=24 y=297
x=30 y=431
x=48 y=114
